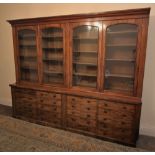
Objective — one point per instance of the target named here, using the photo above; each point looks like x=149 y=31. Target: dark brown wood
x=97 y=112
x=143 y=12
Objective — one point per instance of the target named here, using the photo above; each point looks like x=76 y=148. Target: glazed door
x=52 y=56
x=121 y=56
x=27 y=54
x=85 y=50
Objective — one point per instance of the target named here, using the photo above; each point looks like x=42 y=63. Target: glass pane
x=28 y=55
x=121 y=40
x=85 y=51
x=52 y=47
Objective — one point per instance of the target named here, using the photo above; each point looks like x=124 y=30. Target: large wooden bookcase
x=82 y=73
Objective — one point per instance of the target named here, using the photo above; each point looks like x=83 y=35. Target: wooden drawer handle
x=106 y=104
x=122 y=122
x=105 y=119
x=105 y=111
x=73 y=106
x=122 y=130
x=55 y=122
x=73 y=119
x=88 y=101
x=54 y=96
x=73 y=99
x=88 y=122
x=88 y=108
x=124 y=107
x=54 y=102
x=88 y=115
x=124 y=115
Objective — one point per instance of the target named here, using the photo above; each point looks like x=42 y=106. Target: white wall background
x=17 y=11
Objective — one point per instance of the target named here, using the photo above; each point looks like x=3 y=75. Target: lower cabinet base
x=112 y=121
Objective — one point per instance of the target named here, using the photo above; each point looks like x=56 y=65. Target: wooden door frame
x=43 y=26
x=16 y=29
x=71 y=27
x=137 y=22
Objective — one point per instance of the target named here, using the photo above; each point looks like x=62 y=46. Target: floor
x=144 y=142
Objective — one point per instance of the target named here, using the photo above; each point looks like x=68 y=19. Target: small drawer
x=73 y=106
x=24 y=91
x=87 y=122
x=113 y=115
x=116 y=106
x=49 y=96
x=91 y=116
x=73 y=112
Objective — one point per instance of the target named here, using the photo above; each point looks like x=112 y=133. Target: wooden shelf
x=28 y=68
x=119 y=90
x=85 y=84
x=94 y=52
x=84 y=74
x=52 y=38
x=53 y=72
x=84 y=63
x=28 y=57
x=119 y=76
x=85 y=39
x=27 y=37
x=27 y=46
x=121 y=60
x=52 y=49
x=121 y=45
x=122 y=32
x=52 y=59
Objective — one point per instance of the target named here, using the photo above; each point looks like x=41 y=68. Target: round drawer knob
x=88 y=115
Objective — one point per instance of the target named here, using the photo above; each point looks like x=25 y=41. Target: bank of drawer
x=82 y=101
x=49 y=102
x=123 y=135
x=24 y=91
x=49 y=95
x=25 y=109
x=116 y=106
x=115 y=124
x=104 y=114
x=49 y=108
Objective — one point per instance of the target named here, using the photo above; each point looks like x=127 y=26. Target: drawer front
x=116 y=120
x=81 y=113
x=116 y=106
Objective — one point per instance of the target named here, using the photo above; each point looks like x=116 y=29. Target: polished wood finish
x=95 y=111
